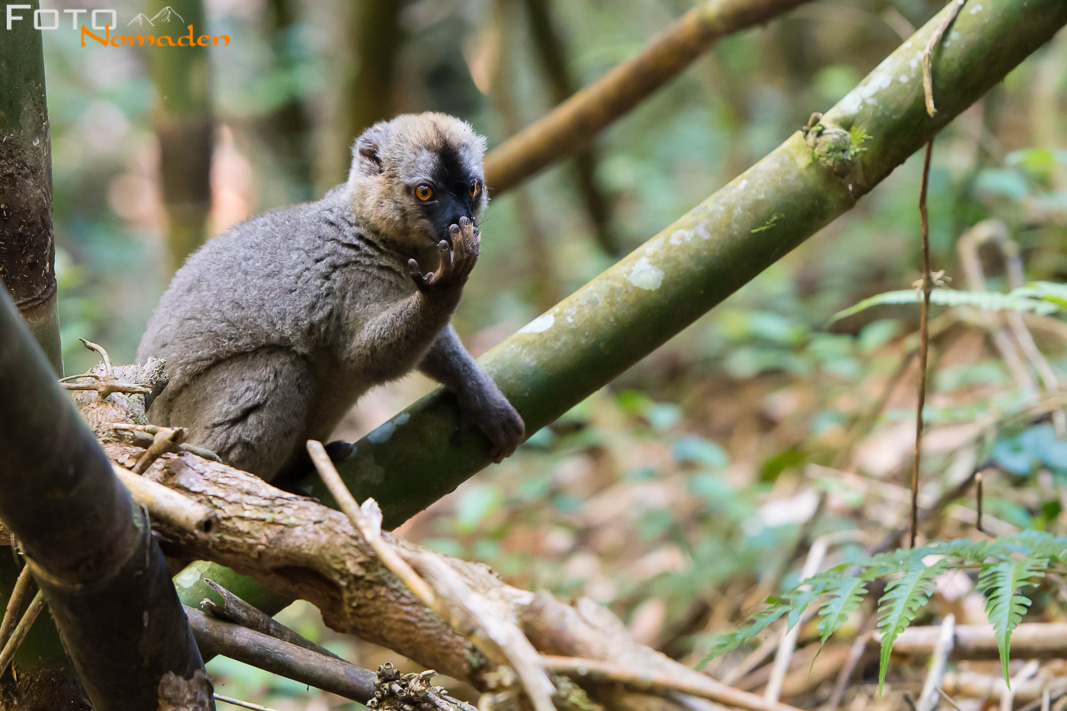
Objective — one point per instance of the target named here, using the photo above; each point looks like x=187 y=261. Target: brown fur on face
x=391 y=157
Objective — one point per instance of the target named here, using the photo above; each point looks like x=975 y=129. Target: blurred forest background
x=677 y=495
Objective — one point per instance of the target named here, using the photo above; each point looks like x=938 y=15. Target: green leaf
x=903 y=599
x=1001 y=583
x=776 y=607
x=1050 y=291
x=691 y=448
x=986 y=300
x=845 y=598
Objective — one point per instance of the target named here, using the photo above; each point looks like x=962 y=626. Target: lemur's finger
x=459 y=240
x=446 y=255
x=475 y=243
x=415 y=272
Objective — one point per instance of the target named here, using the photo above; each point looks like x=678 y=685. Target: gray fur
x=274 y=329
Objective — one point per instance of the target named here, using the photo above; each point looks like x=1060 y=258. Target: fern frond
x=1010 y=564
x=890 y=562
x=728 y=642
x=1037 y=544
x=1001 y=583
x=903 y=599
x=792 y=603
x=986 y=300
x=845 y=598
x=965 y=550
x=1050 y=291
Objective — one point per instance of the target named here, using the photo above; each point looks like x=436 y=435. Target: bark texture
x=27 y=243
x=89 y=548
x=185 y=128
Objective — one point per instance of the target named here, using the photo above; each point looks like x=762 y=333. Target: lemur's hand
x=457 y=260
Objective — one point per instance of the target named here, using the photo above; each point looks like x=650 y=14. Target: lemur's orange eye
x=474 y=189
x=424 y=193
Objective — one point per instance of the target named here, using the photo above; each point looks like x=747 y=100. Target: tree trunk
x=88 y=546
x=27 y=244
x=184 y=126
x=551 y=52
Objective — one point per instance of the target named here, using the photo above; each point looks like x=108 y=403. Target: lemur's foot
x=339 y=450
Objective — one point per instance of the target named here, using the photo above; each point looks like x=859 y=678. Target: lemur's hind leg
x=251 y=410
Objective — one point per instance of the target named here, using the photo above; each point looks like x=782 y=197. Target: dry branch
x=448 y=598
x=281 y=658
x=166 y=504
x=234 y=609
x=299 y=547
x=1030 y=640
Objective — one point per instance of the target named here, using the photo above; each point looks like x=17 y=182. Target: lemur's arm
x=480 y=401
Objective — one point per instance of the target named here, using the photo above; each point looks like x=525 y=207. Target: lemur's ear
x=366 y=150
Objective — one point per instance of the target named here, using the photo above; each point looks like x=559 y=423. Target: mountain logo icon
x=167 y=14
x=140 y=20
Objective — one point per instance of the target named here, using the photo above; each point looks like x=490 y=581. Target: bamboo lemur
x=274 y=329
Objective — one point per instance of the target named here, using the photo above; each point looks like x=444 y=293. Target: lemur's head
x=414 y=176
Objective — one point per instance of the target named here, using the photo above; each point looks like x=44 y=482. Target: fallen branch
x=303 y=549
x=499 y=640
x=265 y=652
x=609 y=672
x=234 y=609
x=1030 y=640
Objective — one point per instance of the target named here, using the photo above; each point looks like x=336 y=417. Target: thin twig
x=928 y=54
x=270 y=654
x=498 y=640
x=104 y=385
x=99 y=350
x=370 y=530
x=701 y=687
x=855 y=654
x=106 y=388
x=892 y=540
x=167 y=439
x=949 y=699
x=924 y=340
x=23 y=586
x=789 y=640
x=242 y=704
x=236 y=610
x=928 y=697
x=166 y=504
x=21 y=630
